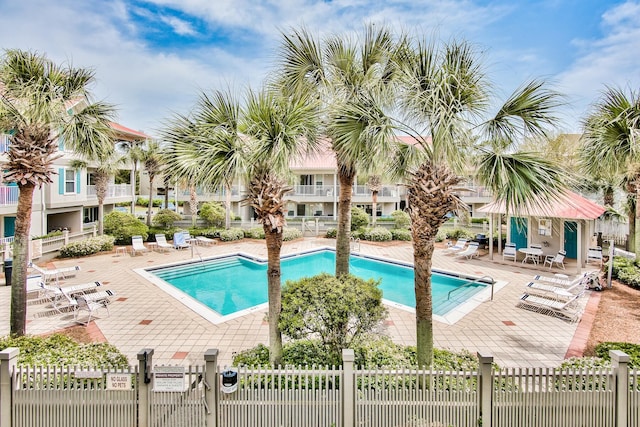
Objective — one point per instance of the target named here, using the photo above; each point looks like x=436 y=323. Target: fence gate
x=177 y=398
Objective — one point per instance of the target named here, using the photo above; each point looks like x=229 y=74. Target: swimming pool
x=236 y=284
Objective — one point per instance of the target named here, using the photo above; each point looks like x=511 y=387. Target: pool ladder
x=473 y=282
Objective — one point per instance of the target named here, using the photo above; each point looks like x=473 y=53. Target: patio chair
x=557 y=292
x=510 y=251
x=458 y=246
x=180 y=240
x=537 y=258
x=137 y=245
x=564 y=281
x=595 y=255
x=552 y=307
x=470 y=252
x=205 y=241
x=91 y=307
x=557 y=259
x=55 y=273
x=60 y=294
x=161 y=241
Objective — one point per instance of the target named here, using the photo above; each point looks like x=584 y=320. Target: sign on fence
x=168 y=378
x=118 y=381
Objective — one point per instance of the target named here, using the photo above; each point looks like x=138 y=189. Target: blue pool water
x=231 y=284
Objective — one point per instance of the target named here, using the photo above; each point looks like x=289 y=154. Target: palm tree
x=609 y=145
x=153 y=161
x=374 y=182
x=345 y=75
x=42 y=103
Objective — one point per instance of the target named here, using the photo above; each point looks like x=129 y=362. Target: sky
x=152 y=58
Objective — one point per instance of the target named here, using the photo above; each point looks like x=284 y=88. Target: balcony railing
x=474 y=191
x=328 y=190
x=114 y=190
x=4 y=143
x=8 y=195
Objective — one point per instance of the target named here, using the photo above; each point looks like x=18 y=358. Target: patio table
x=531 y=254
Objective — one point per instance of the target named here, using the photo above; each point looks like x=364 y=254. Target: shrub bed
x=626 y=270
x=401 y=234
x=377 y=234
x=291 y=234
x=86 y=247
x=254 y=233
x=231 y=235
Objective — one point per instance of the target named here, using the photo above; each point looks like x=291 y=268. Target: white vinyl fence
x=176 y=396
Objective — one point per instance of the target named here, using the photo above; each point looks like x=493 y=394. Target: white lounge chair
x=56 y=273
x=557 y=292
x=458 y=246
x=553 y=307
x=91 y=307
x=557 y=259
x=470 y=252
x=161 y=241
x=180 y=240
x=205 y=241
x=564 y=281
x=595 y=255
x=58 y=294
x=137 y=245
x=510 y=252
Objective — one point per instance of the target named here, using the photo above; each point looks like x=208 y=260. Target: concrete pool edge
x=450 y=318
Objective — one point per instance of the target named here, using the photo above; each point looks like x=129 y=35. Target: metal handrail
x=472 y=283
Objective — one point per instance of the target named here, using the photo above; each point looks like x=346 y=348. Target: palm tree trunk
x=193 y=204
x=18 y=321
x=636 y=244
x=100 y=217
x=422 y=261
x=227 y=207
x=343 y=236
x=150 y=205
x=273 y=239
x=374 y=208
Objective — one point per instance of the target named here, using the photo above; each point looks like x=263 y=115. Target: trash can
x=8 y=269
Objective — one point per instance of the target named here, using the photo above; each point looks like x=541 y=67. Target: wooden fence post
x=620 y=364
x=145 y=366
x=348 y=388
x=485 y=387
x=8 y=361
x=211 y=386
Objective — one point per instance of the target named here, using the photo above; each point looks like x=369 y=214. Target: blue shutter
x=61 y=181
x=78 y=181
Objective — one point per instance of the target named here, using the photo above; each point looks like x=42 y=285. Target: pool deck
x=143 y=316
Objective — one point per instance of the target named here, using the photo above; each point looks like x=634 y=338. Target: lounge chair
x=91 y=307
x=561 y=281
x=56 y=273
x=510 y=252
x=595 y=255
x=67 y=293
x=557 y=259
x=205 y=241
x=470 y=252
x=180 y=241
x=161 y=241
x=458 y=246
x=553 y=307
x=137 y=245
x=557 y=292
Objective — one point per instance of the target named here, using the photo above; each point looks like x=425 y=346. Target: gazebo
x=567 y=223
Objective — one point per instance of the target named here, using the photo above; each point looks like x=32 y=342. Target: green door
x=519 y=232
x=571 y=239
x=9 y=226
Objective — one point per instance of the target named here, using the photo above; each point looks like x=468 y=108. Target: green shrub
x=123 y=225
x=86 y=247
x=168 y=232
x=633 y=350
x=441 y=235
x=377 y=234
x=165 y=218
x=50 y=234
x=58 y=349
x=479 y=220
x=289 y=234
x=337 y=310
x=212 y=232
x=331 y=233
x=123 y=204
x=231 y=234
x=359 y=218
x=213 y=213
x=254 y=233
x=626 y=270
x=401 y=234
x=359 y=233
x=143 y=201
x=401 y=219
x=459 y=233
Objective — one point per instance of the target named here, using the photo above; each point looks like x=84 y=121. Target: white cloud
x=611 y=60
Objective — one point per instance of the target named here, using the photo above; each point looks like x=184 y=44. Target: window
x=544 y=227
x=69 y=181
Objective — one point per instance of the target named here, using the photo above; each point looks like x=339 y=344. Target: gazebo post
x=491 y=236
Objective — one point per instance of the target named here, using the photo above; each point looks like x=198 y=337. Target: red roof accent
x=568 y=206
x=123 y=129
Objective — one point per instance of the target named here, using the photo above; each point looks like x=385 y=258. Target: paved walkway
x=143 y=316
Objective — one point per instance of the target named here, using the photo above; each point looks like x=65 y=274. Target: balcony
x=4 y=143
x=8 y=195
x=113 y=190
